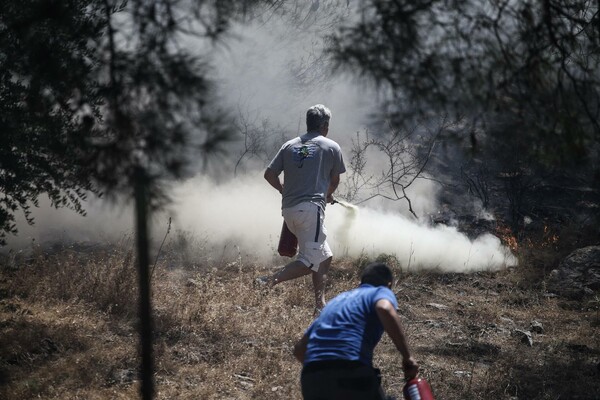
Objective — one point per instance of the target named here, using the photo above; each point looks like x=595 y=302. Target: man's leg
x=319 y=277
x=292 y=270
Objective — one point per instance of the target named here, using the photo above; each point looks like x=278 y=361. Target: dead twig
x=160 y=248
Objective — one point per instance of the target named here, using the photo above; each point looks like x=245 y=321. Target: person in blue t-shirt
x=337 y=348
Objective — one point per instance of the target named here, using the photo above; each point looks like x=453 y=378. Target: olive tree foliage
x=45 y=81
x=520 y=78
x=92 y=90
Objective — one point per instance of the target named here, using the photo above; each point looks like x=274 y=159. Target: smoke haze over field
x=276 y=71
x=245 y=215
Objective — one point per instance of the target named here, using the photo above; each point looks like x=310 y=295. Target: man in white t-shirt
x=311 y=166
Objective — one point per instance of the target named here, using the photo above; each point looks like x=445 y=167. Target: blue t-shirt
x=348 y=328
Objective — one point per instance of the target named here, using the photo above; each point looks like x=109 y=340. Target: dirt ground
x=68 y=331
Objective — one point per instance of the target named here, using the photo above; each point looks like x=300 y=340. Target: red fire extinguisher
x=288 y=242
x=417 y=389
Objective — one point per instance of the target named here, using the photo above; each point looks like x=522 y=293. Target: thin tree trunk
x=145 y=310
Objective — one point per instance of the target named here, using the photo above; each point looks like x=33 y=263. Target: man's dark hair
x=316 y=116
x=377 y=274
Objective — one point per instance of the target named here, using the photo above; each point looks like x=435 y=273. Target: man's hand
x=410 y=368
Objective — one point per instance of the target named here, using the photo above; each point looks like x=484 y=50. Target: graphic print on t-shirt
x=302 y=152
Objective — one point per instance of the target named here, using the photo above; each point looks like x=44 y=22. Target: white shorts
x=305 y=220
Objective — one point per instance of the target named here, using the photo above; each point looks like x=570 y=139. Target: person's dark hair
x=316 y=116
x=377 y=274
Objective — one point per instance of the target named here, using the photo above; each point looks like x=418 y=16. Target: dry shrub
x=107 y=279
x=184 y=250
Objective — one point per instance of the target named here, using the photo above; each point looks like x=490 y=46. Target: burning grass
x=68 y=331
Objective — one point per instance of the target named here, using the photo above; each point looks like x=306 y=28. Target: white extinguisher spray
x=417 y=389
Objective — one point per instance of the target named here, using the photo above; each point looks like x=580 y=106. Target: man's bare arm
x=391 y=324
x=273 y=178
x=333 y=184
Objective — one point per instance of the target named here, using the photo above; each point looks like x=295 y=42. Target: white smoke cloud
x=245 y=213
x=248 y=210
x=415 y=245
x=104 y=222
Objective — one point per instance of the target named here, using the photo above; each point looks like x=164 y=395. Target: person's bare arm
x=273 y=178
x=333 y=184
x=300 y=348
x=392 y=326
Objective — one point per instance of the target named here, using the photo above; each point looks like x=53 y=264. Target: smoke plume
x=244 y=216
x=246 y=213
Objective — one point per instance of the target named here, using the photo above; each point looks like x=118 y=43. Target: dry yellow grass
x=68 y=331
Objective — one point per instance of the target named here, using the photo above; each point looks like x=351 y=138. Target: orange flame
x=507 y=238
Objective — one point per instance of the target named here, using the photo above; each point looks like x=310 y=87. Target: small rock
x=432 y=323
x=525 y=336
x=193 y=283
x=436 y=305
x=122 y=376
x=462 y=373
x=537 y=327
x=246 y=385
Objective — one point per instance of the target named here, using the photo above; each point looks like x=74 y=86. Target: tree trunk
x=142 y=214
